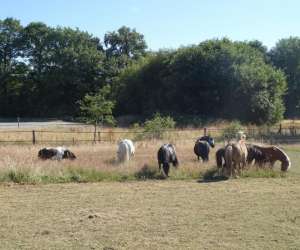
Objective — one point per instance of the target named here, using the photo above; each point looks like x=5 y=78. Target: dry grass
x=102 y=158
x=98 y=157
x=235 y=214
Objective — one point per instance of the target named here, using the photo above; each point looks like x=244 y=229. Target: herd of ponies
x=230 y=159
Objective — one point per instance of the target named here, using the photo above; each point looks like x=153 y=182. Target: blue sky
x=167 y=23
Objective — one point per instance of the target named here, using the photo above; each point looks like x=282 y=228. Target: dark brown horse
x=220 y=159
x=255 y=155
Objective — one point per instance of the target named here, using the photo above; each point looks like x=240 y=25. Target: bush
x=155 y=128
x=231 y=131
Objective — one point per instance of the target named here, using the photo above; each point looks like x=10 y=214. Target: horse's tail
x=127 y=152
x=228 y=157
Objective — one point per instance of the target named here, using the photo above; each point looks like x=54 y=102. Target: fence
x=272 y=135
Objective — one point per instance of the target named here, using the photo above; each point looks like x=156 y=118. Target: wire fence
x=272 y=135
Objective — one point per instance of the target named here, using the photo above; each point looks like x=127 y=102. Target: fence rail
x=275 y=134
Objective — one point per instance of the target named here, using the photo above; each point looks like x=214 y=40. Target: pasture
x=236 y=214
x=118 y=212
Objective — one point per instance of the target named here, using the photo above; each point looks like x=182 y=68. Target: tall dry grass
x=21 y=163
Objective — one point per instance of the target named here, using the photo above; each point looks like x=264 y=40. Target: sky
x=166 y=24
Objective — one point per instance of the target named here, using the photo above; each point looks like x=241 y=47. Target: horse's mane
x=284 y=157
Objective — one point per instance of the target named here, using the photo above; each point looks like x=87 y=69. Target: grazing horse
x=256 y=155
x=273 y=154
x=125 y=150
x=165 y=155
x=235 y=156
x=220 y=158
x=57 y=153
x=202 y=147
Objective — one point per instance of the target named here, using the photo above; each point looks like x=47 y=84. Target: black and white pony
x=125 y=150
x=202 y=147
x=165 y=155
x=57 y=153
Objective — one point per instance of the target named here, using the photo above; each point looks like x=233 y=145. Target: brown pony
x=235 y=156
x=273 y=154
x=220 y=159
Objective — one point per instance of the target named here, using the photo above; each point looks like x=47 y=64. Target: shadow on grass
x=149 y=173
x=212 y=175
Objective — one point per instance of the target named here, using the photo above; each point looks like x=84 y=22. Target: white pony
x=125 y=150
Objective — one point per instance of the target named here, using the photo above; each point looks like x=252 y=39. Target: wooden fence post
x=33 y=137
x=99 y=136
x=205 y=131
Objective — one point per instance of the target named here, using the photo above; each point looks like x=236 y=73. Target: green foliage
x=231 y=130
x=286 y=56
x=217 y=78
x=155 y=127
x=44 y=71
x=97 y=109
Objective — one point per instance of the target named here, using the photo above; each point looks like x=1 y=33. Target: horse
x=202 y=147
x=256 y=155
x=57 y=153
x=235 y=156
x=125 y=150
x=165 y=155
x=220 y=158
x=273 y=154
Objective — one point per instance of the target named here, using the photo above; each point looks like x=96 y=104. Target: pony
x=165 y=155
x=125 y=150
x=57 y=153
x=202 y=147
x=220 y=158
x=235 y=156
x=256 y=155
x=273 y=154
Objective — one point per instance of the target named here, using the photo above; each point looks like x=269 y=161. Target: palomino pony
x=273 y=154
x=236 y=155
x=165 y=155
x=202 y=147
x=125 y=150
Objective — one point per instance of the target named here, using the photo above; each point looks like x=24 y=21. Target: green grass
x=147 y=172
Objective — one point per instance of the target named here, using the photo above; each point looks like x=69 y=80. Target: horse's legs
x=166 y=168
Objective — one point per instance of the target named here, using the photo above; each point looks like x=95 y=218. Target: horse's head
x=209 y=139
x=68 y=155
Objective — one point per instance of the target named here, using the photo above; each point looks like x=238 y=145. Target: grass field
x=116 y=212
x=234 y=214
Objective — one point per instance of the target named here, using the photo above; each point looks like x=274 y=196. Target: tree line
x=46 y=71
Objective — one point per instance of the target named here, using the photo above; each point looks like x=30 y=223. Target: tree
x=97 y=109
x=125 y=42
x=65 y=65
x=286 y=56
x=12 y=69
x=217 y=78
